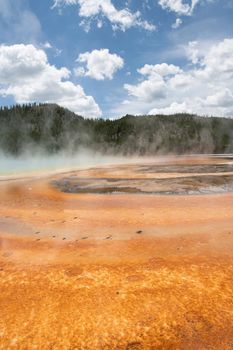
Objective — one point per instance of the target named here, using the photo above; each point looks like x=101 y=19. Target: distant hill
x=51 y=128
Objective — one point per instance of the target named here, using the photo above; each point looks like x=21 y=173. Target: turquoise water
x=38 y=163
x=42 y=163
x=14 y=166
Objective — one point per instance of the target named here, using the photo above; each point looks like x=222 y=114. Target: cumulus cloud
x=172 y=109
x=179 y=6
x=96 y=9
x=148 y=90
x=100 y=64
x=193 y=52
x=222 y=98
x=26 y=74
x=204 y=87
x=154 y=87
x=163 y=69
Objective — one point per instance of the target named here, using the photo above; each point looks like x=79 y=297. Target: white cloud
x=222 y=98
x=218 y=63
x=177 y=23
x=163 y=69
x=79 y=71
x=57 y=3
x=100 y=64
x=203 y=88
x=155 y=85
x=26 y=74
x=193 y=52
x=172 y=109
x=148 y=90
x=47 y=45
x=181 y=81
x=120 y=19
x=180 y=7
x=175 y=5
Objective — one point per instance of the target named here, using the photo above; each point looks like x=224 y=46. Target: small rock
x=109 y=237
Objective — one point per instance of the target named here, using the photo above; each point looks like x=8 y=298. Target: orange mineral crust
x=117 y=270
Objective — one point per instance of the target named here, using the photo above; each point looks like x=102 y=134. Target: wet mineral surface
x=119 y=269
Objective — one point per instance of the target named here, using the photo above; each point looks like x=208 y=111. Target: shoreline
x=119 y=160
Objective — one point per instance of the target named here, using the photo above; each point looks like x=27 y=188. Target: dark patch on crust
x=188 y=185
x=134 y=345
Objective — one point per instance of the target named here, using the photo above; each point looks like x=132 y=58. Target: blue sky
x=112 y=57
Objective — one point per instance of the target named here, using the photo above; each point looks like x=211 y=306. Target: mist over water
x=39 y=162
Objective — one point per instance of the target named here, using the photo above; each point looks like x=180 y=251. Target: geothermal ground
x=127 y=257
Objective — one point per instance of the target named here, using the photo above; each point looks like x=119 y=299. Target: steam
x=40 y=162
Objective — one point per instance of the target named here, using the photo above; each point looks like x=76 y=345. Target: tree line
x=51 y=129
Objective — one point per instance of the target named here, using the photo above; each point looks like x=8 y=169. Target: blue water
x=39 y=163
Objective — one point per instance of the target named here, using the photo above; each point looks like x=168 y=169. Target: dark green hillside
x=51 y=128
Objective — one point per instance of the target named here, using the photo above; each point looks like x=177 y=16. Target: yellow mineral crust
x=114 y=271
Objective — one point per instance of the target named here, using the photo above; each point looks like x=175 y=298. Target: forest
x=50 y=128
